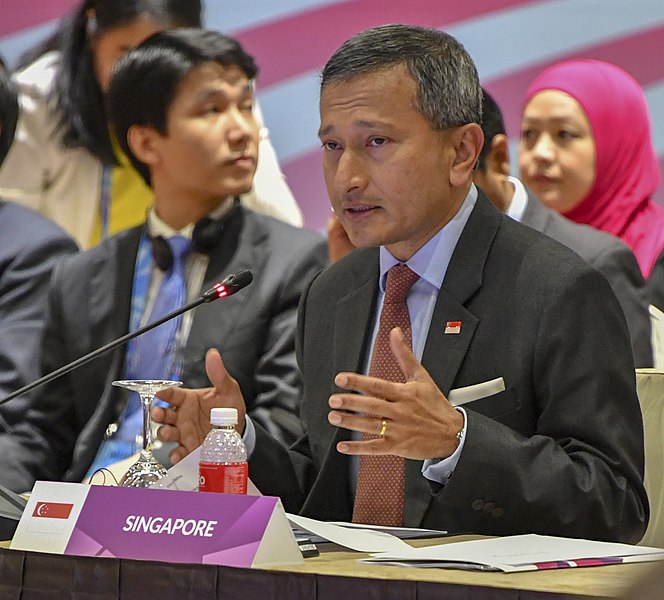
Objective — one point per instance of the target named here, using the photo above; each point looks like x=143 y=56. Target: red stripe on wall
x=627 y=52
x=278 y=46
x=26 y=14
x=305 y=175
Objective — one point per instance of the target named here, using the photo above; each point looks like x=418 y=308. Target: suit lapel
x=353 y=321
x=243 y=245
x=444 y=352
x=127 y=250
x=111 y=287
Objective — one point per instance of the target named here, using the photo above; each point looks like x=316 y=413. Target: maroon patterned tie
x=380 y=484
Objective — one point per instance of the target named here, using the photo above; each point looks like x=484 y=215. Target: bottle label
x=226 y=479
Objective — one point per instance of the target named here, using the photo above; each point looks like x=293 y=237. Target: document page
x=520 y=553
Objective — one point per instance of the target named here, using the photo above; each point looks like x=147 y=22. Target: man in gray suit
x=516 y=409
x=31 y=246
x=182 y=108
x=606 y=253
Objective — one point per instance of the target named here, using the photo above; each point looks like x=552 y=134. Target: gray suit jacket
x=656 y=283
x=611 y=258
x=89 y=303
x=560 y=451
x=31 y=246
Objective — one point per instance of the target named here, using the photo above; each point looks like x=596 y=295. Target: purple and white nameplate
x=156 y=524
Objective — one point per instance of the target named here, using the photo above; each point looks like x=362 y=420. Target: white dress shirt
x=519 y=200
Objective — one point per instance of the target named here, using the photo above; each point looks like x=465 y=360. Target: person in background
x=494 y=397
x=606 y=253
x=338 y=244
x=182 y=104
x=586 y=152
x=31 y=246
x=66 y=162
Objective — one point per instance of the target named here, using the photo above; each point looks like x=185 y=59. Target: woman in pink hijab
x=586 y=151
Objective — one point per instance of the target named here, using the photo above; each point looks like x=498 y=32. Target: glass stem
x=146 y=404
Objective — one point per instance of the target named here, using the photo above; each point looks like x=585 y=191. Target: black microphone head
x=229 y=285
x=238 y=280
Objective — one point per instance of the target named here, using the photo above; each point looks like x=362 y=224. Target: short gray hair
x=448 y=87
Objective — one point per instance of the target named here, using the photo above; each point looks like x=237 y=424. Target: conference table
x=333 y=575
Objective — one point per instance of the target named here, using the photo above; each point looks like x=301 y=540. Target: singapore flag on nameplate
x=50 y=517
x=52 y=510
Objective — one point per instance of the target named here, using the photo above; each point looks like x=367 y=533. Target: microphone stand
x=227 y=287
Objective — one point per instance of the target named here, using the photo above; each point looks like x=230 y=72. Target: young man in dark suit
x=512 y=407
x=181 y=105
x=606 y=253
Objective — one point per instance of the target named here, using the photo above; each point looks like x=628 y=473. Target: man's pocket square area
x=470 y=393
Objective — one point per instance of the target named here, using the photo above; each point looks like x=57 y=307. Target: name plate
x=156 y=524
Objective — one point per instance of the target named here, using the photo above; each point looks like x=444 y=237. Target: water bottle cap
x=223 y=416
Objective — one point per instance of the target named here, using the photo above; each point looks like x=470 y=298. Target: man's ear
x=498 y=159
x=142 y=141
x=467 y=143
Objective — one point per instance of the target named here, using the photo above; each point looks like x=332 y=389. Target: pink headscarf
x=627 y=169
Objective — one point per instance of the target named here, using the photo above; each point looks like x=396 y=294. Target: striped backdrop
x=510 y=40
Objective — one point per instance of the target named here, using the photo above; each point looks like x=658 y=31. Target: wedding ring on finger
x=383 y=428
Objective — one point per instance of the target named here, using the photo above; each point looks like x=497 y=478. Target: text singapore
x=169 y=526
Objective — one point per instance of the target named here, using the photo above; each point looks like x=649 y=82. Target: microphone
x=228 y=286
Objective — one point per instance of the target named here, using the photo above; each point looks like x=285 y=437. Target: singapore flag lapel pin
x=453 y=327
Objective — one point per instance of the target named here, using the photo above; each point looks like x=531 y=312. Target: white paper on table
x=519 y=553
x=403 y=533
x=362 y=540
x=184 y=476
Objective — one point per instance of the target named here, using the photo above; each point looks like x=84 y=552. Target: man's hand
x=420 y=423
x=187 y=422
x=338 y=242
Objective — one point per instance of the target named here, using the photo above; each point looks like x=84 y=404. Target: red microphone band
x=221 y=290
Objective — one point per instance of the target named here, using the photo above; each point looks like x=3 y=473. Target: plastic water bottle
x=223 y=461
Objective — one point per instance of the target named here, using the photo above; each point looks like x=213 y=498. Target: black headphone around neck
x=205 y=237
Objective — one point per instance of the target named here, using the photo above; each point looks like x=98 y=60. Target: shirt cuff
x=440 y=470
x=249 y=436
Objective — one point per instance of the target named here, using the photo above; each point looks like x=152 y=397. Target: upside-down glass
x=146 y=470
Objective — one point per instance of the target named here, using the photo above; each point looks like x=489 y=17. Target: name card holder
x=156 y=524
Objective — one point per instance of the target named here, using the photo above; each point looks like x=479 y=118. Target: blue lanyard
x=139 y=293
x=139 y=297
x=105 y=208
